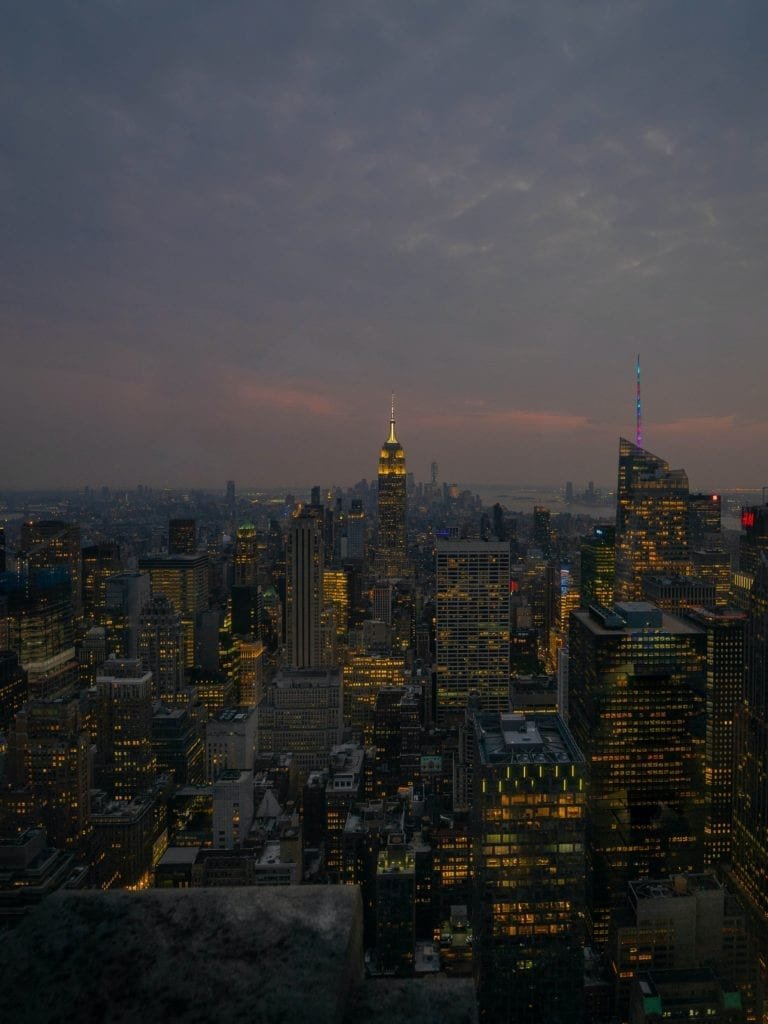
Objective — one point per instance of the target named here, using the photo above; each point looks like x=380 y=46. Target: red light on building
x=514 y=586
x=747 y=518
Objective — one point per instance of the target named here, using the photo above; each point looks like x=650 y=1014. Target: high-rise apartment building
x=651 y=520
x=472 y=612
x=304 y=591
x=528 y=811
x=637 y=711
x=392 y=543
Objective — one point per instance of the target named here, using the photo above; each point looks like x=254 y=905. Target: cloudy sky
x=230 y=228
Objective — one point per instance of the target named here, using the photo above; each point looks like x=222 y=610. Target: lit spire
x=638 y=406
x=392 y=439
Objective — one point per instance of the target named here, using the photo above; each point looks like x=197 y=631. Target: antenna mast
x=638 y=406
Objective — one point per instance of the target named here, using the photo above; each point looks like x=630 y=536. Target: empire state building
x=392 y=550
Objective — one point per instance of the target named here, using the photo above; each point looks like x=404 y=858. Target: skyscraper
x=528 y=811
x=637 y=711
x=750 y=779
x=161 y=646
x=126 y=763
x=304 y=591
x=598 y=566
x=472 y=612
x=48 y=544
x=184 y=581
x=651 y=520
x=392 y=546
x=182 y=537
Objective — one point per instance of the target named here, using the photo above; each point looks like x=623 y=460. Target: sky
x=228 y=230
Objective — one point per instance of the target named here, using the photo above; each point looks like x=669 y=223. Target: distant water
x=522 y=499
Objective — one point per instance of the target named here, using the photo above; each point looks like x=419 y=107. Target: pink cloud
x=526 y=419
x=295 y=398
x=696 y=425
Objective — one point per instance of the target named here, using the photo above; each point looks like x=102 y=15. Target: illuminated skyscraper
x=184 y=581
x=392 y=548
x=637 y=711
x=472 y=611
x=304 y=591
x=182 y=537
x=48 y=544
x=126 y=763
x=99 y=562
x=598 y=566
x=529 y=822
x=49 y=752
x=724 y=629
x=750 y=780
x=161 y=646
x=246 y=556
x=651 y=520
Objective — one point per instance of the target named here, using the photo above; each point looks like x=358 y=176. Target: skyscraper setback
x=392 y=549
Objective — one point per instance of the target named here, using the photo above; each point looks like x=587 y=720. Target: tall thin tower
x=638 y=406
x=392 y=551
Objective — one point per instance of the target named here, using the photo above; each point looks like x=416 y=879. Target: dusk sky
x=231 y=227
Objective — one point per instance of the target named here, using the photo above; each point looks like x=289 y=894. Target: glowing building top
x=392 y=549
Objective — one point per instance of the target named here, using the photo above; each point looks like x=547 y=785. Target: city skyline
x=229 y=233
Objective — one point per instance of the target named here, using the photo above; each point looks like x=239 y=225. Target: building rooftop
x=521 y=739
x=639 y=615
x=675 y=887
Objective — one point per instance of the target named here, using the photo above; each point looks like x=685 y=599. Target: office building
x=177 y=743
x=365 y=675
x=130 y=838
x=301 y=713
x=637 y=710
x=246 y=565
x=542 y=530
x=753 y=542
x=724 y=629
x=182 y=537
x=13 y=688
x=232 y=808
x=676 y=594
x=230 y=741
x=392 y=550
x=51 y=544
x=99 y=562
x=126 y=763
x=49 y=755
x=598 y=566
x=36 y=622
x=749 y=842
x=356 y=532
x=651 y=520
x=183 y=579
x=528 y=812
x=472 y=623
x=125 y=595
x=679 y=923
x=161 y=646
x=304 y=591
